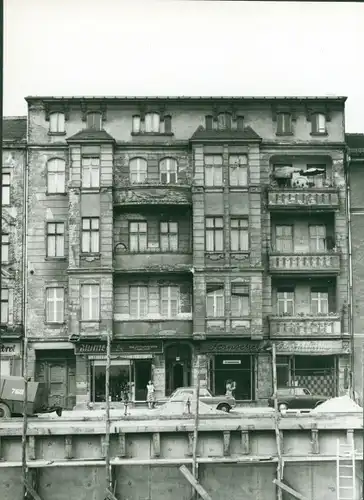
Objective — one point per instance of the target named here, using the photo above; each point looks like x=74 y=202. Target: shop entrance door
x=143 y=373
x=178 y=366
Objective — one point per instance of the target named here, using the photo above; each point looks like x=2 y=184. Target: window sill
x=281 y=134
x=89 y=321
x=56 y=259
x=56 y=194
x=94 y=255
x=91 y=189
x=147 y=134
x=55 y=324
x=59 y=134
x=319 y=134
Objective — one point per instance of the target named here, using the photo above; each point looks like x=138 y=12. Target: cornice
x=90 y=270
x=303 y=145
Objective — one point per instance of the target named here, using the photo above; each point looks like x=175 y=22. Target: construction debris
x=343 y=404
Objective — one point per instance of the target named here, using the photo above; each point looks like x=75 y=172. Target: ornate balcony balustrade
x=303 y=199
x=325 y=262
x=305 y=326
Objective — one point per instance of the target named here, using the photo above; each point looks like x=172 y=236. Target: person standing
x=150 y=395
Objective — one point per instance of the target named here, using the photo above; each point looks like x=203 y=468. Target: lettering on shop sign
x=312 y=347
x=125 y=347
x=10 y=349
x=220 y=347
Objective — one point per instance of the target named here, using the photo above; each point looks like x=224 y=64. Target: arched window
x=94 y=120
x=152 y=122
x=168 y=168
x=138 y=170
x=56 y=123
x=56 y=176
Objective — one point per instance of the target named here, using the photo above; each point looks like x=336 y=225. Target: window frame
x=57 y=173
x=165 y=168
x=224 y=121
x=138 y=161
x=315 y=238
x=152 y=124
x=90 y=168
x=5 y=188
x=239 y=168
x=167 y=236
x=322 y=298
x=240 y=229
x=136 y=125
x=218 y=293
x=138 y=300
x=245 y=295
x=138 y=248
x=216 y=170
x=315 y=121
x=90 y=231
x=286 y=296
x=54 y=302
x=94 y=125
x=214 y=230
x=284 y=123
x=169 y=300
x=6 y=302
x=60 y=125
x=5 y=245
x=281 y=240
x=54 y=235
x=92 y=287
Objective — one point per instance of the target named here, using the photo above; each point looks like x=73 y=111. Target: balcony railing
x=305 y=327
x=305 y=199
x=325 y=262
x=152 y=194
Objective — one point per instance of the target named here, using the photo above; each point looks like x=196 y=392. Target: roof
x=247 y=134
x=14 y=128
x=187 y=98
x=91 y=135
x=355 y=141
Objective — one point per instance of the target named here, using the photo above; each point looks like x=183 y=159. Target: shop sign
x=231 y=362
x=120 y=348
x=231 y=347
x=10 y=350
x=313 y=347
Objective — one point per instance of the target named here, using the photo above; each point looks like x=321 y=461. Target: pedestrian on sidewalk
x=150 y=395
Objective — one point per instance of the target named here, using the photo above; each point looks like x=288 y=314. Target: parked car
x=297 y=398
x=223 y=403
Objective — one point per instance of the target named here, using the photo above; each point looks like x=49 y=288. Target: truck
x=12 y=390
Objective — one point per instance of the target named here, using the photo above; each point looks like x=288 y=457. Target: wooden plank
x=68 y=447
x=103 y=446
x=226 y=437
x=156 y=444
x=245 y=442
x=289 y=490
x=31 y=490
x=122 y=444
x=194 y=483
x=109 y=495
x=315 y=445
x=31 y=448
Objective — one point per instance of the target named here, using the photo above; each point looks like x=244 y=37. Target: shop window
x=169 y=301
x=5 y=189
x=56 y=176
x=152 y=122
x=215 y=302
x=284 y=123
x=283 y=371
x=169 y=236
x=240 y=301
x=213 y=170
x=138 y=170
x=214 y=233
x=90 y=235
x=120 y=379
x=4 y=306
x=90 y=172
x=55 y=239
x=90 y=302
x=238 y=369
x=318 y=374
x=285 y=301
x=94 y=120
x=284 y=238
x=55 y=305
x=5 y=245
x=138 y=236
x=10 y=367
x=317 y=235
x=238 y=170
x=57 y=123
x=319 y=301
x=239 y=231
x=138 y=301
x=168 y=171
x=318 y=121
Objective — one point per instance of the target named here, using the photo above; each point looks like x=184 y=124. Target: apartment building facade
x=193 y=231
x=12 y=239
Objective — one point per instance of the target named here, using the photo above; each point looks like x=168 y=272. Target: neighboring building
x=12 y=239
x=355 y=144
x=187 y=229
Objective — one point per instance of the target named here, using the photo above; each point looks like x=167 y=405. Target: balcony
x=152 y=194
x=153 y=329
x=303 y=199
x=305 y=327
x=228 y=327
x=153 y=262
x=326 y=263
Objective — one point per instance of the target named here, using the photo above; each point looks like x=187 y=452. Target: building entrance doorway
x=178 y=366
x=143 y=373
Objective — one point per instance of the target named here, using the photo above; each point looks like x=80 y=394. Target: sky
x=147 y=47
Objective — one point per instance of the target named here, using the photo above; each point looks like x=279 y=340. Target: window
x=240 y=122
x=169 y=301
x=319 y=301
x=169 y=236
x=238 y=170
x=90 y=302
x=90 y=235
x=318 y=180
x=285 y=302
x=5 y=244
x=55 y=305
x=213 y=170
x=90 y=172
x=318 y=123
x=55 y=239
x=224 y=121
x=56 y=173
x=138 y=301
x=284 y=123
x=5 y=200
x=93 y=121
x=138 y=170
x=136 y=124
x=56 y=123
x=209 y=122
x=167 y=124
x=138 y=236
x=4 y=305
x=168 y=171
x=152 y=122
x=240 y=304
x=214 y=234
x=215 y=302
x=239 y=235
x=317 y=234
x=284 y=239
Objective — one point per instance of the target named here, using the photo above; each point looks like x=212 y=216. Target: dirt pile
x=343 y=404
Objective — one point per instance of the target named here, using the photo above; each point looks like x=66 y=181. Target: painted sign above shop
x=232 y=347
x=9 y=350
x=120 y=347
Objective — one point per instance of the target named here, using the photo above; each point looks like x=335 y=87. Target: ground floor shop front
x=76 y=375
